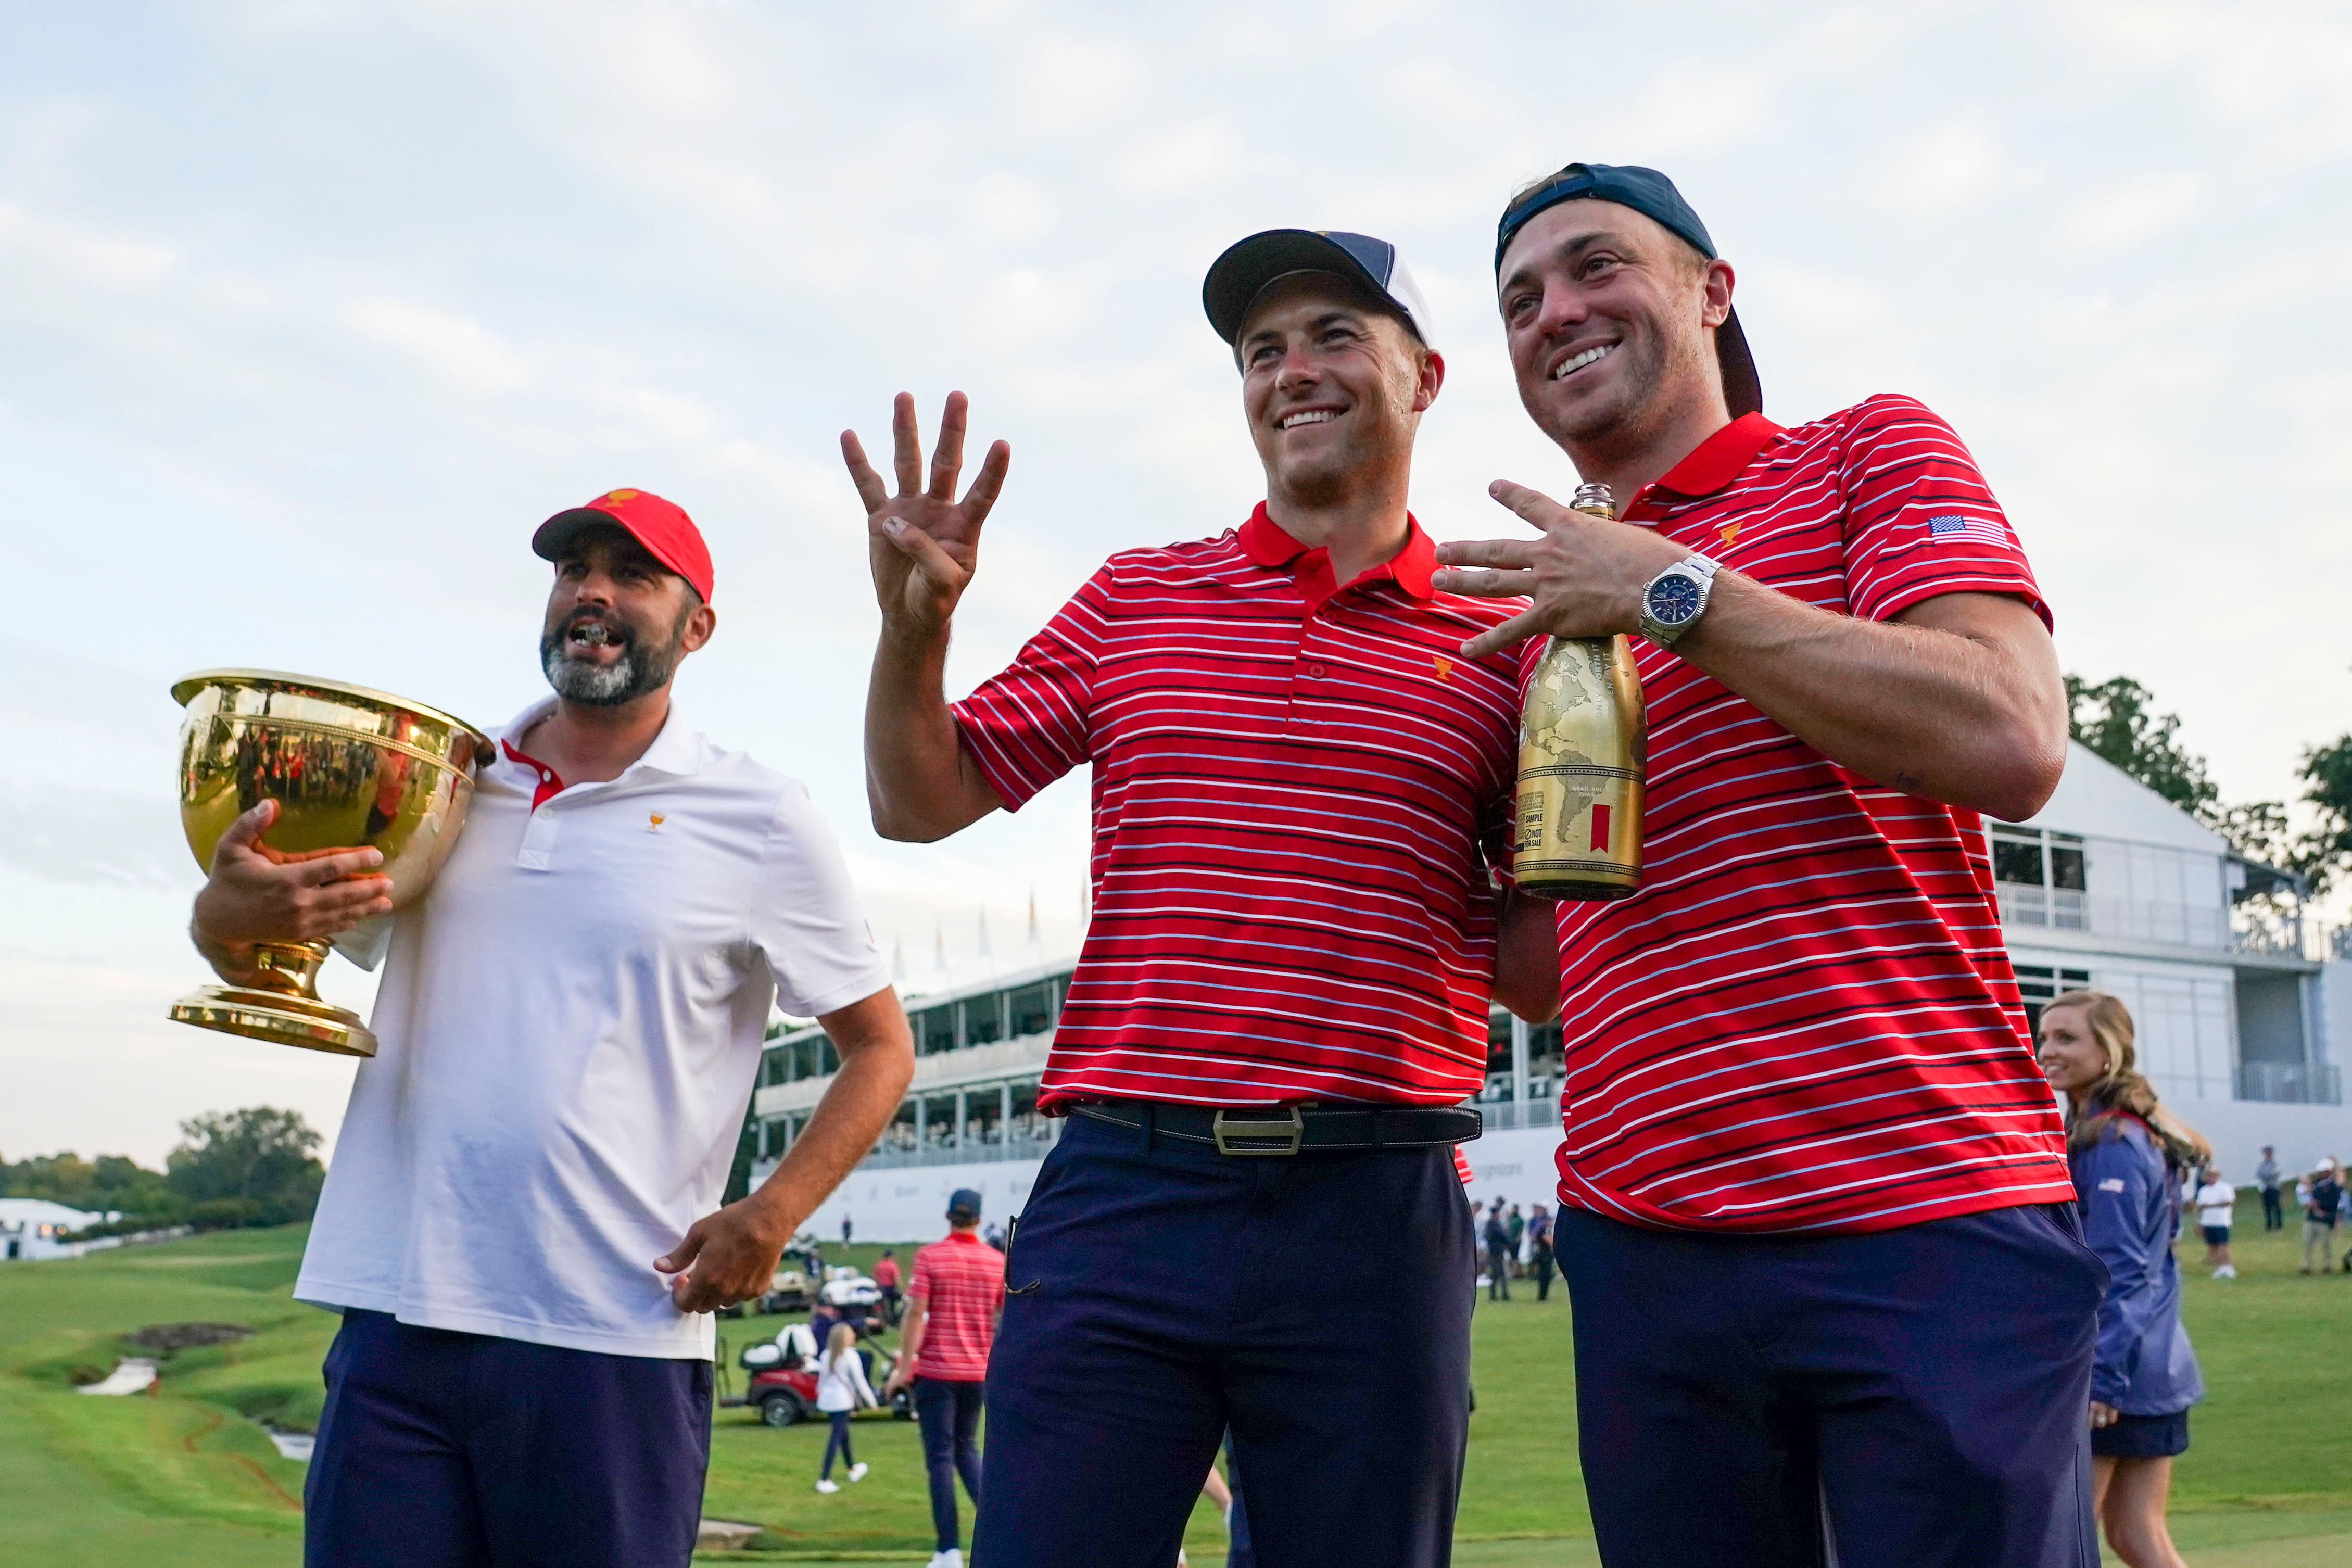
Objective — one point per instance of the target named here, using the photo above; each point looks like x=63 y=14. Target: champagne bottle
x=1583 y=745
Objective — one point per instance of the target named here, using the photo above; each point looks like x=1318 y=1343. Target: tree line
x=2117 y=719
x=257 y=1166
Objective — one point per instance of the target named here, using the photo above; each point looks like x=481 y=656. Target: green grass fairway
x=183 y=1476
x=178 y=1475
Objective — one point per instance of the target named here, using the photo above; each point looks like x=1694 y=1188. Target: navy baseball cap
x=1653 y=195
x=964 y=1202
x=1237 y=278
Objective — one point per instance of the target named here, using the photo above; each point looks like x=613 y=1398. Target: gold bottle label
x=1583 y=749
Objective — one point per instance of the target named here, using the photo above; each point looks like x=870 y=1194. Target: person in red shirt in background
x=885 y=1279
x=954 y=1300
x=1816 y=1218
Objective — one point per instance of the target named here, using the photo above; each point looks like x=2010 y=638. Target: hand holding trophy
x=313 y=805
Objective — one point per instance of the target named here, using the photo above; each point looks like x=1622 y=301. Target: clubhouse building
x=2229 y=982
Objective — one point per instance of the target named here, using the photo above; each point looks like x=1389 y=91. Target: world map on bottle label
x=1565 y=685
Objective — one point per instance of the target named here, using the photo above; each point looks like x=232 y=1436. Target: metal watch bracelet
x=1693 y=565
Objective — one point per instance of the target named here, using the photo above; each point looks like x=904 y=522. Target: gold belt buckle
x=1252 y=1136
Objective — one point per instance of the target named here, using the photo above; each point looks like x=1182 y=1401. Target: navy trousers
x=949 y=1410
x=836 y=1441
x=449 y=1450
x=1908 y=1398
x=1160 y=1295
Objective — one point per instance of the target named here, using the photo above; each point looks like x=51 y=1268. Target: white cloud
x=469 y=357
x=1064 y=85
x=84 y=254
x=1953 y=169
x=1182 y=159
x=2135 y=212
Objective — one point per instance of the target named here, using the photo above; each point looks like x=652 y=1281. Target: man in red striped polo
x=1301 y=793
x=954 y=1303
x=1816 y=1220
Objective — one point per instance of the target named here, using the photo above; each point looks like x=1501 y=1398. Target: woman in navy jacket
x=2128 y=1154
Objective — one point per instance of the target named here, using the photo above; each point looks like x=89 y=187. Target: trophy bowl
x=349 y=768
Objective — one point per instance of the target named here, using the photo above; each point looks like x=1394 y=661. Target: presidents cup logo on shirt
x=653 y=819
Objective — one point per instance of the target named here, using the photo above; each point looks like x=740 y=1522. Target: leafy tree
x=2326 y=848
x=108 y=1183
x=2117 y=719
x=255 y=1166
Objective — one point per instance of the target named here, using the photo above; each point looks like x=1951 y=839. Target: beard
x=638 y=671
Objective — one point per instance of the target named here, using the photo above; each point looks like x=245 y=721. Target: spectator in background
x=2266 y=1176
x=2217 y=1205
x=1518 y=1225
x=1539 y=1251
x=1497 y=1237
x=2321 y=1193
x=2126 y=1151
x=885 y=1279
x=995 y=1234
x=841 y=1388
x=2344 y=1215
x=845 y=1230
x=953 y=1304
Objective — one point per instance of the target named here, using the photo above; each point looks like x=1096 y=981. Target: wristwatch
x=1674 y=599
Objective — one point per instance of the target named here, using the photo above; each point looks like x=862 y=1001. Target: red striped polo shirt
x=960 y=1282
x=1298 y=789
x=1805 y=1019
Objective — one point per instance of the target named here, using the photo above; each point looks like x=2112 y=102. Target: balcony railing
x=2208 y=928
x=2291 y=1083
x=2203 y=926
x=972 y=1151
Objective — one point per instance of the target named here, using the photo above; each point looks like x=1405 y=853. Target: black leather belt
x=1291 y=1129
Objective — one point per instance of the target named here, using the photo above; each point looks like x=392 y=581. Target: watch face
x=1672 y=600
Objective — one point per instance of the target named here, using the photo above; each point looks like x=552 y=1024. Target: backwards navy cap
x=1653 y=195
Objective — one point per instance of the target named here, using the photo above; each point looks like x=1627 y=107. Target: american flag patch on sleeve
x=1954 y=529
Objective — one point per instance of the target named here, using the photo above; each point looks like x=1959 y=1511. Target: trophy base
x=278 y=1016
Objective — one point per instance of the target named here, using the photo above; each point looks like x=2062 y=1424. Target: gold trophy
x=349 y=769
x=1583 y=746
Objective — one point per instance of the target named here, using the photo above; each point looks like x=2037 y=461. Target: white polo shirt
x=569 y=1027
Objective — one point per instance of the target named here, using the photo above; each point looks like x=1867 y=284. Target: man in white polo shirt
x=519 y=1226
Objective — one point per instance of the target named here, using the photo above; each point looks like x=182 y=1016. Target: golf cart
x=782 y=1382
x=787 y=1291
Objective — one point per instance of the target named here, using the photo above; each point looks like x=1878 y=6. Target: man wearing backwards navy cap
x=1816 y=1219
x=570 y=1022
x=1300 y=788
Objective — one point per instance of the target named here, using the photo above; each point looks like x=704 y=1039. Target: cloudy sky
x=309 y=312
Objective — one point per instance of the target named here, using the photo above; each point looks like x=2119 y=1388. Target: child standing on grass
x=841 y=1388
x=2217 y=1202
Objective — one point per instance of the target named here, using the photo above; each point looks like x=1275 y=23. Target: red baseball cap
x=662 y=526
